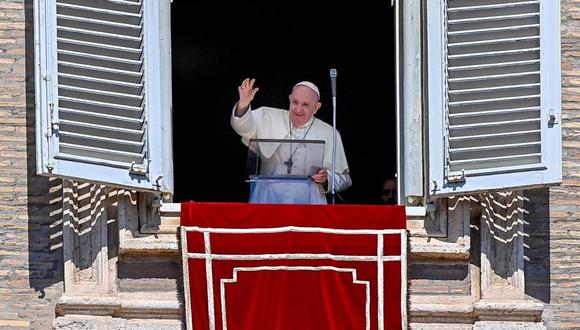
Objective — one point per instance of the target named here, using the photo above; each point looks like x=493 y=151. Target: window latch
x=552 y=117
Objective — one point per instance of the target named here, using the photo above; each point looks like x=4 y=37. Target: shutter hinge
x=158 y=182
x=456 y=178
x=53 y=122
x=139 y=169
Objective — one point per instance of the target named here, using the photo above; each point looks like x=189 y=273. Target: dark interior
x=217 y=44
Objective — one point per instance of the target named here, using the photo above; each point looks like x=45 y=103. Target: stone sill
x=164 y=239
x=153 y=244
x=125 y=305
x=430 y=308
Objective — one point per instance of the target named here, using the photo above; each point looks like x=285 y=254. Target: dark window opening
x=214 y=48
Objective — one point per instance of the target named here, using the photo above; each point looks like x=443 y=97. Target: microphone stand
x=332 y=183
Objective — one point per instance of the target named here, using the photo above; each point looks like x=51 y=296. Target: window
x=104 y=92
x=494 y=94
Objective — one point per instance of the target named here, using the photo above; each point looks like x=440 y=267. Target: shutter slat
x=91 y=105
x=102 y=93
x=494 y=136
x=496 y=53
x=95 y=132
x=79 y=44
x=81 y=140
x=495 y=147
x=493 y=6
x=490 y=42
x=99 y=72
x=101 y=119
x=80 y=31
x=104 y=97
x=117 y=5
x=100 y=84
x=491 y=30
x=98 y=37
x=97 y=10
x=121 y=158
x=503 y=99
x=491 y=18
x=99 y=141
x=505 y=76
x=91 y=160
x=492 y=112
x=104 y=24
x=111 y=132
x=493 y=65
x=495 y=124
x=493 y=162
x=492 y=89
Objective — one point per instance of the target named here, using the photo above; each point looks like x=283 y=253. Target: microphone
x=333 y=81
x=331 y=177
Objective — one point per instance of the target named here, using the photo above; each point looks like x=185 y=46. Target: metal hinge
x=54 y=124
x=140 y=169
x=456 y=178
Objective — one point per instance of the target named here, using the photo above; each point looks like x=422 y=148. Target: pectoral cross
x=289 y=164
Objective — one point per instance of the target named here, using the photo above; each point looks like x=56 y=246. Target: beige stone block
x=14 y=323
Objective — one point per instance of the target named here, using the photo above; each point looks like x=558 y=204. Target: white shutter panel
x=102 y=114
x=494 y=94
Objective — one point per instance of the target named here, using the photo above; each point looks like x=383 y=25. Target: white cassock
x=272 y=123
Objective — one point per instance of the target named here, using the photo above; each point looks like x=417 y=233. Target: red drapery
x=293 y=266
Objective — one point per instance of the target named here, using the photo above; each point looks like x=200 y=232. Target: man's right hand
x=247 y=93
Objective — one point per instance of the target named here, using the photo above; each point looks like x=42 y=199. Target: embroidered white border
x=379 y=258
x=209 y=281
x=234 y=279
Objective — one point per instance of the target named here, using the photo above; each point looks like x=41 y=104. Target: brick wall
x=553 y=245
x=30 y=244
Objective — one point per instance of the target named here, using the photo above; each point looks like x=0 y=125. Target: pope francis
x=297 y=123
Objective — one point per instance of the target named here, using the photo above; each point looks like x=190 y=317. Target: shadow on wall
x=537 y=244
x=44 y=195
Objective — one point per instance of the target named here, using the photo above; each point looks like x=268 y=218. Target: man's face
x=390 y=192
x=303 y=105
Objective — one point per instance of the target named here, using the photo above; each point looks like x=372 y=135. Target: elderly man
x=296 y=123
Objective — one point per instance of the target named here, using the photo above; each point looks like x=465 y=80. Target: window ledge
x=164 y=240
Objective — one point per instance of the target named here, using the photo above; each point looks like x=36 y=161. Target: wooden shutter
x=101 y=113
x=494 y=85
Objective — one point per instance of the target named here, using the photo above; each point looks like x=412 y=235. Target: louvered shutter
x=103 y=91
x=493 y=94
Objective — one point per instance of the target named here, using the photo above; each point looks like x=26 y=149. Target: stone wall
x=30 y=236
x=553 y=224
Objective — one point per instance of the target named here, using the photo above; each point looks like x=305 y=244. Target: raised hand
x=247 y=93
